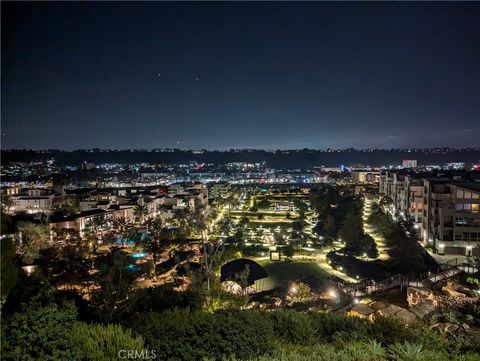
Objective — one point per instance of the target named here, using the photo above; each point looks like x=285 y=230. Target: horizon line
x=226 y=150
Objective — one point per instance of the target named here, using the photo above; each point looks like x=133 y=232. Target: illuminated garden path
x=321 y=259
x=380 y=241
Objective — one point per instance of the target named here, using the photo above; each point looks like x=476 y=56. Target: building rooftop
x=473 y=186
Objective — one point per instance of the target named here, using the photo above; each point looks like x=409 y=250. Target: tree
x=152 y=243
x=33 y=238
x=67 y=235
x=263 y=204
x=230 y=199
x=288 y=251
x=407 y=255
x=297 y=226
x=352 y=233
x=225 y=227
x=198 y=222
x=254 y=207
x=122 y=226
x=91 y=235
x=140 y=210
x=329 y=226
x=243 y=221
x=9 y=269
x=299 y=292
x=67 y=205
x=117 y=287
x=6 y=222
x=301 y=205
x=182 y=219
x=6 y=202
x=41 y=332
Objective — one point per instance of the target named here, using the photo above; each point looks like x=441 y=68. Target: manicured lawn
x=282 y=273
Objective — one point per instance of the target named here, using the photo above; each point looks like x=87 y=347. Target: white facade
x=32 y=204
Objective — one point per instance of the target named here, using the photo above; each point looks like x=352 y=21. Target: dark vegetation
x=54 y=328
x=407 y=256
x=279 y=159
x=340 y=218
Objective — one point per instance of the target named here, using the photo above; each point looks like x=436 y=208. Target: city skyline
x=240 y=75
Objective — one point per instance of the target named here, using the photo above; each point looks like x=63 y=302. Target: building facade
x=443 y=206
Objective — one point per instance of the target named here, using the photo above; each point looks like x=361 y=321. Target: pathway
x=380 y=241
x=321 y=259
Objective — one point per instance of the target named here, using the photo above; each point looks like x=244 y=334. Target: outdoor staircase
x=447 y=273
x=370 y=286
x=446 y=270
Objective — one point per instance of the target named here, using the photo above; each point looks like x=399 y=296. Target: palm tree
x=139 y=211
x=182 y=219
x=152 y=243
x=122 y=225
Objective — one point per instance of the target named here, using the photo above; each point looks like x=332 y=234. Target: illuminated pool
x=128 y=242
x=132 y=267
x=139 y=255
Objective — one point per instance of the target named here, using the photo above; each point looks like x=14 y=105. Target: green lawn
x=282 y=273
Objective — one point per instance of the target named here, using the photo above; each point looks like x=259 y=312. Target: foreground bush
x=193 y=335
x=289 y=335
x=104 y=343
x=358 y=351
x=40 y=333
x=52 y=332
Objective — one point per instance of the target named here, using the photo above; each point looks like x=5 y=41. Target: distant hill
x=276 y=159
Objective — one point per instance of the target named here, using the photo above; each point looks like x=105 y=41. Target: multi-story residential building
x=32 y=204
x=98 y=201
x=219 y=189
x=32 y=201
x=451 y=223
x=365 y=176
x=414 y=205
x=444 y=205
x=79 y=222
x=392 y=184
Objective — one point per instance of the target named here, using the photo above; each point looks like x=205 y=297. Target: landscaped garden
x=281 y=274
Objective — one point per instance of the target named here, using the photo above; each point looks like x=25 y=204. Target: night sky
x=240 y=75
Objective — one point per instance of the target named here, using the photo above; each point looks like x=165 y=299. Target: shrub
x=103 y=343
x=407 y=352
x=293 y=327
x=186 y=335
x=40 y=333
